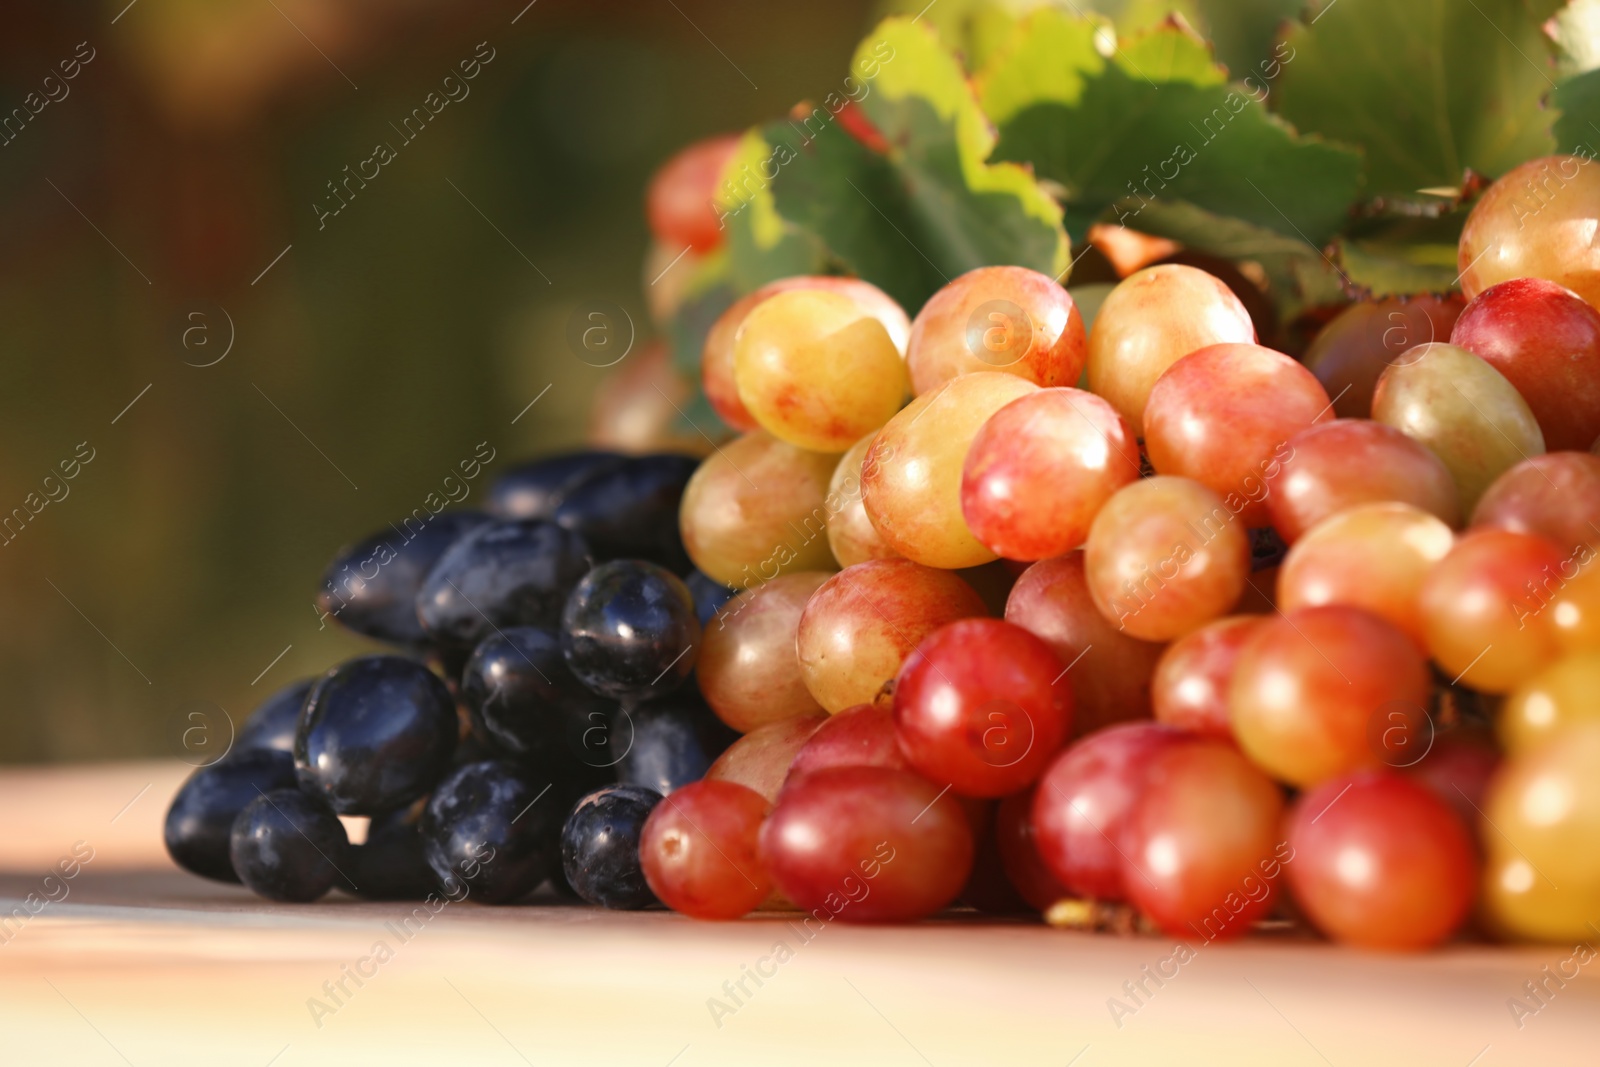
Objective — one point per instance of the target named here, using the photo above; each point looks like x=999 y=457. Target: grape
x=288 y=846
x=1575 y=612
x=717 y=357
x=600 y=844
x=851 y=535
x=1224 y=415
x=1151 y=320
x=977 y=706
x=1519 y=902
x=1545 y=806
x=680 y=202
x=816 y=371
x=1483 y=607
x=863 y=622
x=756 y=509
x=1041 y=468
x=199 y=823
x=862 y=736
x=1462 y=409
x=1308 y=686
x=700 y=850
x=639 y=407
x=1083 y=800
x=272 y=725
x=1200 y=847
x=867 y=844
x=1337 y=465
x=391 y=864
x=1536 y=221
x=1458 y=767
x=1111 y=672
x=709 y=596
x=375 y=734
x=1164 y=556
x=760 y=759
x=626 y=511
x=988 y=888
x=371 y=586
x=911 y=478
x=1556 y=496
x=533 y=490
x=1019 y=851
x=1380 y=862
x=1007 y=319
x=666 y=744
x=749 y=671
x=1350 y=352
x=1546 y=341
x=1190 y=687
x=485 y=829
x=629 y=630
x=1564 y=693
x=1372 y=556
x=515 y=572
x=525 y=702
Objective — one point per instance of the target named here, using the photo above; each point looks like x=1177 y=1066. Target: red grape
x=1083 y=800
x=1351 y=351
x=680 y=201
x=1546 y=341
x=862 y=736
x=700 y=850
x=1223 y=415
x=748 y=670
x=859 y=627
x=977 y=706
x=1483 y=607
x=1019 y=851
x=1339 y=464
x=1190 y=687
x=1556 y=496
x=867 y=844
x=1008 y=319
x=1308 y=685
x=1457 y=768
x=1041 y=468
x=1110 y=671
x=1380 y=861
x=1200 y=848
x=761 y=758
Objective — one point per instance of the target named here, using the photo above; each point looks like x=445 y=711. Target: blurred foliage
x=184 y=157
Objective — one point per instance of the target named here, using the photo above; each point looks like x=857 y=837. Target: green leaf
x=971 y=28
x=930 y=208
x=1578 y=127
x=1429 y=88
x=706 y=295
x=1397 y=268
x=1157 y=121
x=762 y=246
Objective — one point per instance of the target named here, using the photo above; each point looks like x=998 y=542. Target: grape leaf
x=1156 y=120
x=762 y=247
x=1429 y=88
x=929 y=208
x=708 y=293
x=1577 y=129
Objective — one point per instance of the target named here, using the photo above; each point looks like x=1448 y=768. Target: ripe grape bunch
x=1081 y=603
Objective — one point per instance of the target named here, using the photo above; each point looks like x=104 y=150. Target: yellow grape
x=756 y=509
x=1537 y=221
x=1544 y=804
x=911 y=478
x=851 y=534
x=1575 y=612
x=1151 y=320
x=1521 y=903
x=1564 y=693
x=1463 y=409
x=817 y=371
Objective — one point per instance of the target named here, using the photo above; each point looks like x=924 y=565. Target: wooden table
x=136 y=962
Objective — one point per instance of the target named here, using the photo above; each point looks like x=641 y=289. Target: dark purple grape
x=666 y=744
x=289 y=846
x=533 y=490
x=371 y=586
x=273 y=723
x=391 y=863
x=511 y=573
x=200 y=820
x=630 y=511
x=493 y=829
x=629 y=630
x=376 y=734
x=600 y=847
x=709 y=595
x=525 y=702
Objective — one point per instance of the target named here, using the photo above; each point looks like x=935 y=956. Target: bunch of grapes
x=1019 y=603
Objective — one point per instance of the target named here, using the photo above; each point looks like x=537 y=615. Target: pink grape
x=679 y=202
x=1556 y=496
x=1189 y=689
x=851 y=535
x=1536 y=221
x=748 y=670
x=760 y=759
x=862 y=736
x=1349 y=353
x=700 y=850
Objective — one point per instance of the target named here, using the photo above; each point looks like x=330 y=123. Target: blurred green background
x=376 y=353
